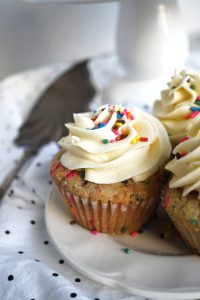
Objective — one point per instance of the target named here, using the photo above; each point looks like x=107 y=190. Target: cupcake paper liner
x=108 y=217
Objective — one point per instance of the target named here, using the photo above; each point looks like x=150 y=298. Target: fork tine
x=27 y=132
x=31 y=126
x=31 y=143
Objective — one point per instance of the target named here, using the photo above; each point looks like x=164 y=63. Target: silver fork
x=71 y=92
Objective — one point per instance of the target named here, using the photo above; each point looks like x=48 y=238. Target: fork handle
x=10 y=177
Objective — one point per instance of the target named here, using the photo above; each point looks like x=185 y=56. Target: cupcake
x=110 y=168
x=182 y=199
x=179 y=105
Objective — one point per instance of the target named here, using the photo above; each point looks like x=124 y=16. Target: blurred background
x=37 y=33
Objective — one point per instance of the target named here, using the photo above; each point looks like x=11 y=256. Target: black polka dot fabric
x=73 y=295
x=10 y=277
x=61 y=261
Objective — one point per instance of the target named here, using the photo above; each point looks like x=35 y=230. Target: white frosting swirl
x=186 y=166
x=175 y=108
x=114 y=144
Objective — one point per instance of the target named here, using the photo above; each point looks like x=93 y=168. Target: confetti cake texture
x=182 y=199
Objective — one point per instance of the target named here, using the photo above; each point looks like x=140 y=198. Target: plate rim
x=108 y=281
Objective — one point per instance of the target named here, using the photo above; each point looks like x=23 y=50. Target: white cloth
x=30 y=266
x=23 y=236
x=38 y=34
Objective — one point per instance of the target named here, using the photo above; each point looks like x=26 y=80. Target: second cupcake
x=182 y=199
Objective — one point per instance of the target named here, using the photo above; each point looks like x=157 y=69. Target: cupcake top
x=179 y=105
x=114 y=144
x=186 y=164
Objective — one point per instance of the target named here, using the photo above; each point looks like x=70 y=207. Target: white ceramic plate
x=157 y=268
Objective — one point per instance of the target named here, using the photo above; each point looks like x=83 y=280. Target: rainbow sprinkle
x=198 y=97
x=118 y=124
x=94 y=118
x=193 y=108
x=197 y=102
x=115 y=131
x=133 y=233
x=184 y=139
x=105 y=141
x=119 y=116
x=70 y=174
x=129 y=116
x=144 y=139
x=121 y=121
x=135 y=139
x=194 y=222
x=127 y=250
x=193 y=87
x=94 y=231
x=101 y=125
x=192 y=115
x=183 y=154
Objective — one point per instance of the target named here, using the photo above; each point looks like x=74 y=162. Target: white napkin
x=30 y=267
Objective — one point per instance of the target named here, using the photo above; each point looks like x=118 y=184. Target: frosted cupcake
x=182 y=199
x=110 y=168
x=179 y=105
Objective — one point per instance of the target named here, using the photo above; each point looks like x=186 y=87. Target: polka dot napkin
x=30 y=266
